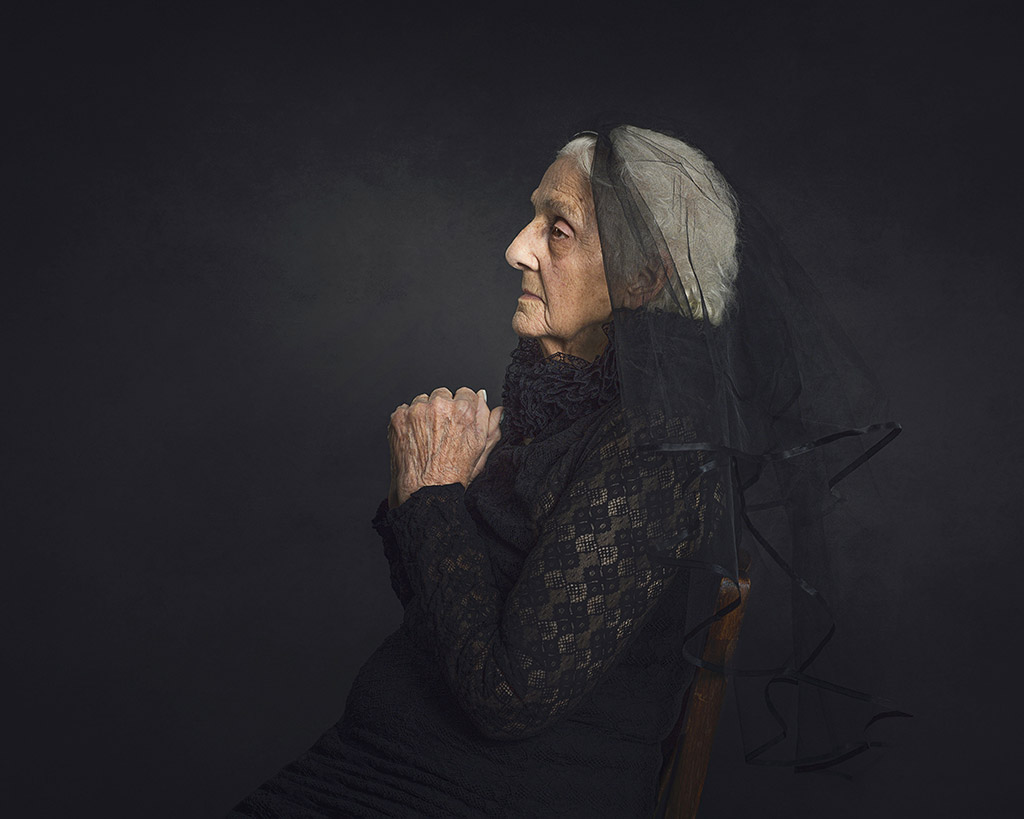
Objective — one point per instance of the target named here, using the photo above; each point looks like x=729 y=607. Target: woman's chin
x=523 y=327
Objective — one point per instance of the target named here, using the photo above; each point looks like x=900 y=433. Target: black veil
x=718 y=327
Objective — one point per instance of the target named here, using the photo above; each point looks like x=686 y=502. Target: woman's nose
x=520 y=253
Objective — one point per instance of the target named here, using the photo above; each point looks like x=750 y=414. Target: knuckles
x=460 y=408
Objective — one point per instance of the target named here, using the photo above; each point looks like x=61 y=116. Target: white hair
x=692 y=205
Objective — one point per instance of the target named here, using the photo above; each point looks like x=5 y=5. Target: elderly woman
x=545 y=551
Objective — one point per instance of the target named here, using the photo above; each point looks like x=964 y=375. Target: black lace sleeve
x=399 y=580
x=518 y=662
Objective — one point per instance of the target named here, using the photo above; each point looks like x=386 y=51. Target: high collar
x=547 y=393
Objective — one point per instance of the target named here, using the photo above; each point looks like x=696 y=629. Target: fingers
x=396 y=417
x=477 y=399
x=493 y=436
x=466 y=394
x=461 y=394
x=481 y=414
x=494 y=425
x=493 y=433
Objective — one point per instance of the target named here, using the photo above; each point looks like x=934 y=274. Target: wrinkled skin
x=440 y=439
x=443 y=438
x=565 y=298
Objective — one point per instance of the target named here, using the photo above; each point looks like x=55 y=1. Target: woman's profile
x=677 y=393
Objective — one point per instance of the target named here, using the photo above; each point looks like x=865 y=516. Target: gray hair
x=692 y=205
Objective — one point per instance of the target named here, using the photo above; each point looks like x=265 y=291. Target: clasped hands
x=440 y=439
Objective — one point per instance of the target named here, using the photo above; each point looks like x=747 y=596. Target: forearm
x=520 y=660
x=447 y=564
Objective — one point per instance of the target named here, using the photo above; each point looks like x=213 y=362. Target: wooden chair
x=688 y=748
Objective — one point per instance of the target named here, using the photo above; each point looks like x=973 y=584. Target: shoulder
x=631 y=435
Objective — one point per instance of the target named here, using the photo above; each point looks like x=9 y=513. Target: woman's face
x=565 y=299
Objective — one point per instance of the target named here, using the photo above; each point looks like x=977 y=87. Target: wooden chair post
x=686 y=765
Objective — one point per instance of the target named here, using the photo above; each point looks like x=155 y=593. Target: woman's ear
x=649 y=283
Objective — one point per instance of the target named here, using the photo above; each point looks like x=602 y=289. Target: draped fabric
x=716 y=323
x=539 y=664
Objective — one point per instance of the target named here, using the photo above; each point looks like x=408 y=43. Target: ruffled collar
x=549 y=393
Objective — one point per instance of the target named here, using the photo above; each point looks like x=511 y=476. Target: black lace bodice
x=539 y=663
x=523 y=646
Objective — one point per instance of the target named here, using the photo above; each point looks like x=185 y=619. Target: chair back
x=688 y=748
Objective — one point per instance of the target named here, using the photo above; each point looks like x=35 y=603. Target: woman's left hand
x=440 y=439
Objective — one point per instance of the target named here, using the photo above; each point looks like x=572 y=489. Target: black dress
x=538 y=666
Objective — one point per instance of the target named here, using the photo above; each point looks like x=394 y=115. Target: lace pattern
x=556 y=390
x=519 y=658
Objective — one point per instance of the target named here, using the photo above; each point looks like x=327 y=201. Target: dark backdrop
x=240 y=237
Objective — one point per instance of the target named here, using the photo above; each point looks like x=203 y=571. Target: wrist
x=435 y=478
x=408 y=488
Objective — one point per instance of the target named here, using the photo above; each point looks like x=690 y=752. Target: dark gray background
x=239 y=238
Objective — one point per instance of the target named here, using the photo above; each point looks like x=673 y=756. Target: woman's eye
x=558 y=233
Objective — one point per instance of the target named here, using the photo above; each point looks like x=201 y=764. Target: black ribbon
x=784 y=674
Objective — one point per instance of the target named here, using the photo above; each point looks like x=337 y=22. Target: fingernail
x=485 y=395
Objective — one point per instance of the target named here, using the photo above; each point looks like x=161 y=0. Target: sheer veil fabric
x=724 y=346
